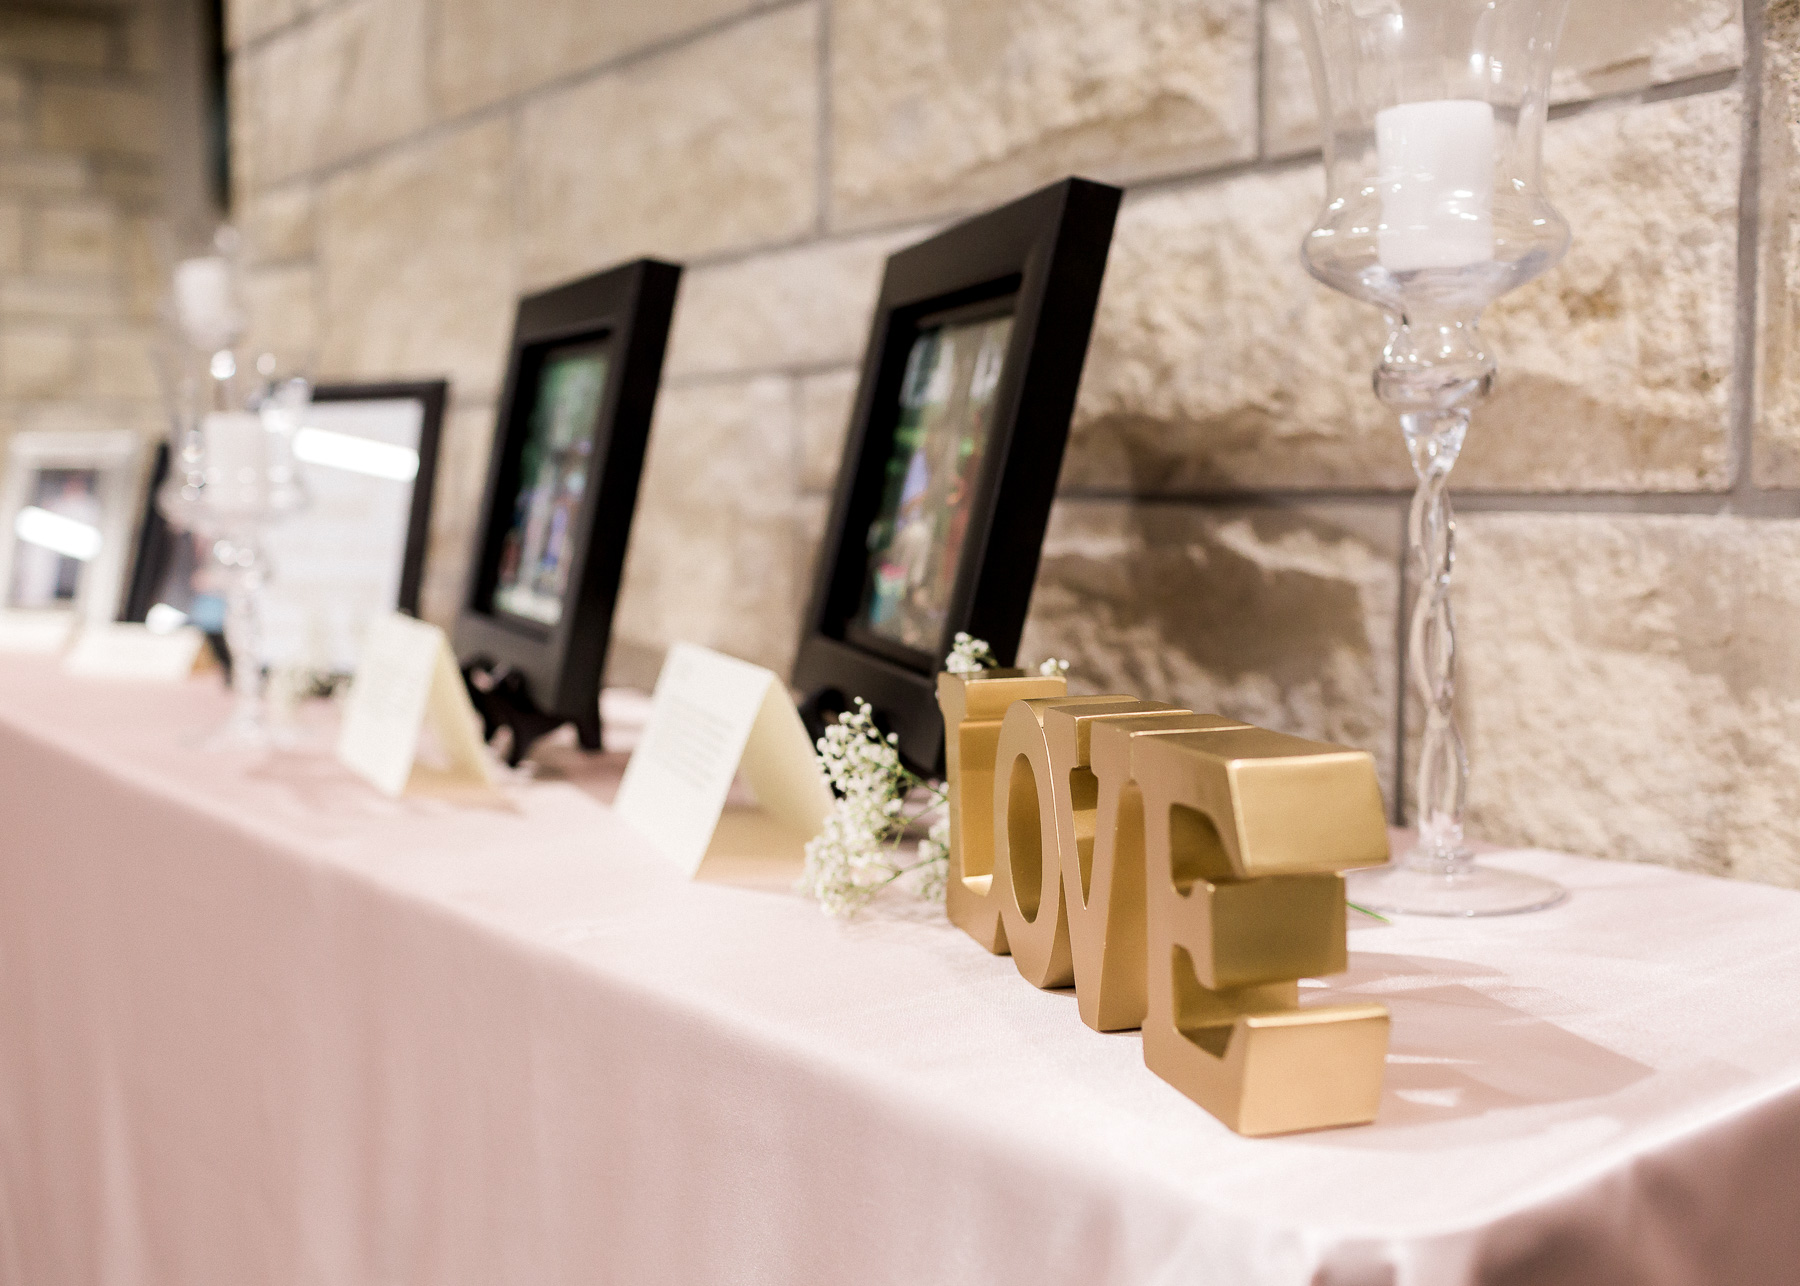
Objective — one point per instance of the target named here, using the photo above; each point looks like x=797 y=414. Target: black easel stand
x=503 y=700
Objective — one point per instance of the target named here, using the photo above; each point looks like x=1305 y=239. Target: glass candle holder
x=1433 y=117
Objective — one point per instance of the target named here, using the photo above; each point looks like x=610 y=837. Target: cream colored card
x=408 y=723
x=713 y=716
x=126 y=651
x=38 y=633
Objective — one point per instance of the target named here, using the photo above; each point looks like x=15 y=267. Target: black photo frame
x=1040 y=261
x=157 y=555
x=531 y=673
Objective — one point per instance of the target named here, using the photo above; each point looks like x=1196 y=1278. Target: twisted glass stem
x=1435 y=441
x=1433 y=373
x=240 y=557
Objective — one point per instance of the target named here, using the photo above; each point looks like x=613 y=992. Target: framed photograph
x=368 y=458
x=951 y=461
x=562 y=484
x=66 y=514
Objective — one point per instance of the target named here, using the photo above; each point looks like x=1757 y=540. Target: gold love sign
x=1183 y=872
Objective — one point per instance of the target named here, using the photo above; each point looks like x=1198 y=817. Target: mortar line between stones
x=1769 y=502
x=446 y=125
x=1749 y=248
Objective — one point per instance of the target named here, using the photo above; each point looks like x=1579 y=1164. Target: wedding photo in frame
x=367 y=456
x=562 y=484
x=951 y=461
x=67 y=506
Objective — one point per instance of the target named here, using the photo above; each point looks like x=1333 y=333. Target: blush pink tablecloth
x=260 y=1026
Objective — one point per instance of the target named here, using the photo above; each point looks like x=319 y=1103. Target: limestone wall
x=84 y=163
x=1230 y=528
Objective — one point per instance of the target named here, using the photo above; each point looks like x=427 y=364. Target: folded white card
x=408 y=722
x=40 y=633
x=126 y=651
x=711 y=716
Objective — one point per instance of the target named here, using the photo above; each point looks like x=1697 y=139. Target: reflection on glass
x=915 y=542
x=57 y=532
x=553 y=473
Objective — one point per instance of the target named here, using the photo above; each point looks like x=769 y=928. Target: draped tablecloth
x=260 y=1025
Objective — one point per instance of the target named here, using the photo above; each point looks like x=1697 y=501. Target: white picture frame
x=68 y=508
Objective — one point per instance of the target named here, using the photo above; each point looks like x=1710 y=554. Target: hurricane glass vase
x=232 y=475
x=1433 y=115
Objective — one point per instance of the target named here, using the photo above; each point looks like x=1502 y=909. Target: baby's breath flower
x=969 y=656
x=859 y=851
x=1054 y=669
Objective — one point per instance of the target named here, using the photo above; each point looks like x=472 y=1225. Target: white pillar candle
x=1436 y=165
x=236 y=454
x=204 y=304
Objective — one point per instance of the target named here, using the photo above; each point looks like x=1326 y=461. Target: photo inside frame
x=56 y=536
x=942 y=430
x=555 y=461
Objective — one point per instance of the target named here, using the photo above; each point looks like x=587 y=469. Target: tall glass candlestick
x=1433 y=117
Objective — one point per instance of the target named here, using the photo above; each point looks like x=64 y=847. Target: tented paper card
x=712 y=714
x=43 y=633
x=126 y=651
x=409 y=721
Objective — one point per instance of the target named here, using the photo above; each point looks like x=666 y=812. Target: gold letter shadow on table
x=1246 y=833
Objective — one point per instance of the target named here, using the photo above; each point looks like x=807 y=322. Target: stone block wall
x=1230 y=528
x=83 y=213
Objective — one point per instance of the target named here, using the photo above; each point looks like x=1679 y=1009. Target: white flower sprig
x=970 y=656
x=880 y=802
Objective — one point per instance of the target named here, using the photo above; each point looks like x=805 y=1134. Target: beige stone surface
x=711 y=147
x=42 y=172
x=1282 y=617
x=490 y=49
x=781 y=309
x=1607 y=47
x=713 y=547
x=1631 y=686
x=1777 y=448
x=1217 y=363
x=949 y=105
x=12 y=91
x=1616 y=367
x=349 y=80
x=12 y=236
x=278 y=225
x=283 y=304
x=416 y=265
x=80 y=117
x=37 y=360
x=80 y=240
x=57 y=297
x=54 y=39
x=144 y=244
x=120 y=364
x=827 y=401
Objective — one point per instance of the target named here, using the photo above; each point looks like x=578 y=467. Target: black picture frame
x=1044 y=256
x=524 y=674
x=432 y=397
x=156 y=540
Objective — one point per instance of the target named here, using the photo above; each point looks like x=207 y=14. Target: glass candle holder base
x=238 y=735
x=1456 y=888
